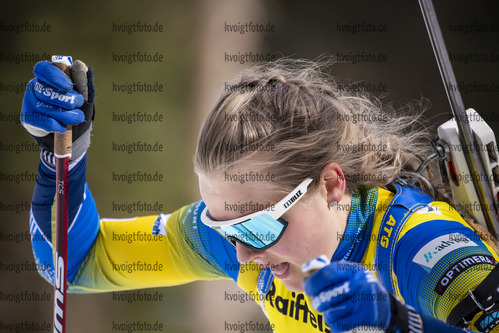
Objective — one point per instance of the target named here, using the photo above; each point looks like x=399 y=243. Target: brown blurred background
x=194 y=44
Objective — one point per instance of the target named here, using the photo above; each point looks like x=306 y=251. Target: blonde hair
x=290 y=118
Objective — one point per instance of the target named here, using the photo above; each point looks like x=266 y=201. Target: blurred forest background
x=194 y=44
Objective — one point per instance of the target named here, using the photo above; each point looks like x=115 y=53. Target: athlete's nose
x=245 y=255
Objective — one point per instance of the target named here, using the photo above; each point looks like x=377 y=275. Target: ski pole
x=62 y=152
x=466 y=138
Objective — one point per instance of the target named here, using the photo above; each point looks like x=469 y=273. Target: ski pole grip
x=63 y=141
x=312 y=266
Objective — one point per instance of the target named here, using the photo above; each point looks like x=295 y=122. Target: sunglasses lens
x=259 y=232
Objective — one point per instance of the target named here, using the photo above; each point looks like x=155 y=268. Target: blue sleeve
x=83 y=222
x=209 y=243
x=209 y=248
x=436 y=262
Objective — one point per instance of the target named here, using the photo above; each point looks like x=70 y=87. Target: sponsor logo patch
x=456 y=269
x=158 y=227
x=487 y=322
x=435 y=250
x=429 y=209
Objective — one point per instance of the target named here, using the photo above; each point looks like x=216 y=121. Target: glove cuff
x=78 y=149
x=404 y=318
x=81 y=145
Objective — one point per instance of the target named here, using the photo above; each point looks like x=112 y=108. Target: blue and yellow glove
x=50 y=103
x=350 y=296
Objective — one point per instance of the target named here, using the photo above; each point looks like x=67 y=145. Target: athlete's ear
x=333 y=179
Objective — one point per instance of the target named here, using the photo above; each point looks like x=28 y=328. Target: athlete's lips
x=280 y=271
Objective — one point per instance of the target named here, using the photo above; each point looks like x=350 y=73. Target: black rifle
x=475 y=165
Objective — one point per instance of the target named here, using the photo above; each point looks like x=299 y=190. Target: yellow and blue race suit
x=435 y=256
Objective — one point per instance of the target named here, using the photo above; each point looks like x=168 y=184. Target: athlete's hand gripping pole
x=53 y=100
x=62 y=152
